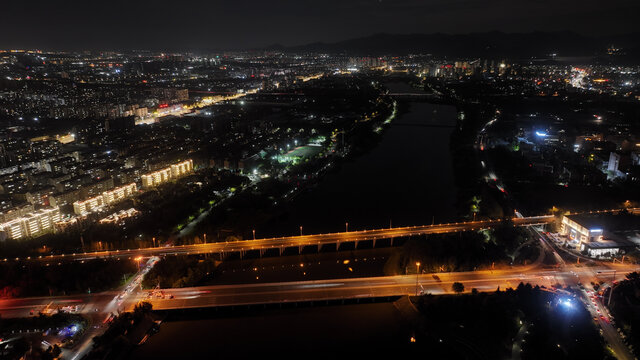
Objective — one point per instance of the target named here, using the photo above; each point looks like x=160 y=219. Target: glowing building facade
x=163 y=175
x=107 y=198
x=31 y=225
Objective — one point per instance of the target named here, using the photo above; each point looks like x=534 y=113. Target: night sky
x=235 y=24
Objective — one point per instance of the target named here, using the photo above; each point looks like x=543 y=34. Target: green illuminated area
x=299 y=154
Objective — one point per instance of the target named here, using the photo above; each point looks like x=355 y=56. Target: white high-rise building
x=107 y=198
x=156 y=178
x=182 y=168
x=120 y=193
x=88 y=205
x=163 y=175
x=32 y=224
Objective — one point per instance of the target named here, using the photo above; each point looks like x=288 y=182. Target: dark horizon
x=195 y=25
x=625 y=39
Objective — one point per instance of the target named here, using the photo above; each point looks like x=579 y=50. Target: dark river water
x=303 y=333
x=407 y=179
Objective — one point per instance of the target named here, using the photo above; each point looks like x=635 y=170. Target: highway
x=595 y=306
x=247 y=294
x=280 y=243
x=367 y=287
x=98 y=306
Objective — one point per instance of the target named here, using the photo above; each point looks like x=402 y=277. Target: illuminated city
x=341 y=179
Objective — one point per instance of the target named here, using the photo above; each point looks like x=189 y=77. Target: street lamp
x=254 y=234
x=417 y=274
x=346 y=225
x=300 y=230
x=138 y=261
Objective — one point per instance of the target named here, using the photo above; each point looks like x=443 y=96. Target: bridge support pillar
x=241 y=254
x=337 y=245
x=281 y=250
x=391 y=242
x=319 y=247
x=374 y=243
x=300 y=249
x=261 y=252
x=356 y=244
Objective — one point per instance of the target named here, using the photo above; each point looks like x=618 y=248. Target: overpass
x=281 y=243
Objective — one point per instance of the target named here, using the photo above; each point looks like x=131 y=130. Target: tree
x=143 y=307
x=457 y=287
x=56 y=351
x=633 y=276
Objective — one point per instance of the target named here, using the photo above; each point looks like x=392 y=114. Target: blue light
x=541 y=134
x=566 y=303
x=596 y=230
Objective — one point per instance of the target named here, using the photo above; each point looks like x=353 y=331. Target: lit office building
x=581 y=228
x=591 y=238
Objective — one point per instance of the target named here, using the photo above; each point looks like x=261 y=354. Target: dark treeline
x=486 y=325
x=180 y=271
x=625 y=306
x=474 y=196
x=37 y=279
x=125 y=331
x=462 y=251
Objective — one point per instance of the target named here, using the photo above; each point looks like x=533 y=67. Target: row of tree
x=485 y=326
x=19 y=279
x=625 y=307
x=123 y=333
x=461 y=251
x=180 y=271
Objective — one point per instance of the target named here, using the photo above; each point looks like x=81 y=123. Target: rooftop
x=607 y=221
x=605 y=244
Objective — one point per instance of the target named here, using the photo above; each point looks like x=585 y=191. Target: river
x=407 y=179
x=306 y=332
